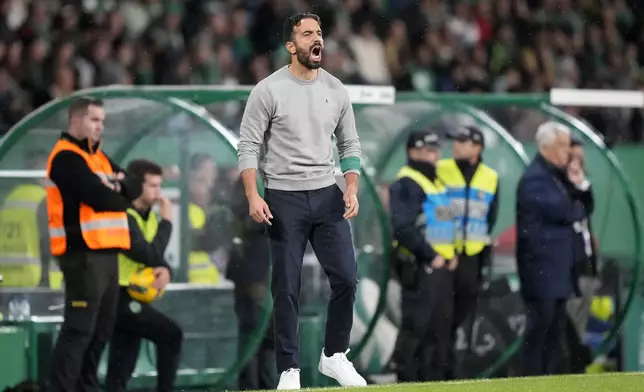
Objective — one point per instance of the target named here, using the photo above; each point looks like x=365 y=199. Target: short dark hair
x=295 y=20
x=198 y=159
x=80 y=105
x=142 y=167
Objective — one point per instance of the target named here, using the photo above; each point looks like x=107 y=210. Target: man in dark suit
x=548 y=205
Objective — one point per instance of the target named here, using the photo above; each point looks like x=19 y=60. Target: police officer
x=87 y=196
x=424 y=260
x=472 y=187
x=135 y=321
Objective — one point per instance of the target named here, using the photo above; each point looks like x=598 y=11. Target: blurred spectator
x=203 y=174
x=586 y=268
x=549 y=204
x=249 y=269
x=427 y=45
x=370 y=54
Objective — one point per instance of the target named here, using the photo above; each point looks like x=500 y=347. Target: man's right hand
x=165 y=209
x=438 y=262
x=162 y=276
x=258 y=210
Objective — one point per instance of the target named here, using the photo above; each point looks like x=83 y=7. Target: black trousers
x=423 y=343
x=259 y=372
x=466 y=289
x=314 y=216
x=91 y=296
x=544 y=336
x=136 y=321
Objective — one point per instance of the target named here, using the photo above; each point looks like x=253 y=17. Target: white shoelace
x=343 y=358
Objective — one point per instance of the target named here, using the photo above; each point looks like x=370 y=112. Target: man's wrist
x=252 y=195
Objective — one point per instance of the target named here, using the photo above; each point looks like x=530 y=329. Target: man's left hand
x=162 y=276
x=351 y=203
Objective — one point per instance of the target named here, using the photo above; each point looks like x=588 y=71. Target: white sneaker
x=341 y=369
x=290 y=379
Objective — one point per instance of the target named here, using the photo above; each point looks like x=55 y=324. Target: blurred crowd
x=50 y=48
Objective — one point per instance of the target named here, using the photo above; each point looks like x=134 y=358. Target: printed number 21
x=12 y=230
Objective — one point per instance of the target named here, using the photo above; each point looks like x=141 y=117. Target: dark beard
x=303 y=58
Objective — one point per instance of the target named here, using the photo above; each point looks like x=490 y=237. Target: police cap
x=426 y=138
x=468 y=133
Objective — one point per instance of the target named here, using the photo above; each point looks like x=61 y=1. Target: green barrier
x=142 y=124
x=153 y=127
x=503 y=109
x=521 y=114
x=14 y=342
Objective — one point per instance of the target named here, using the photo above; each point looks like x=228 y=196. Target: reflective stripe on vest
x=472 y=231
x=149 y=229
x=20 y=264
x=100 y=230
x=200 y=267
x=437 y=216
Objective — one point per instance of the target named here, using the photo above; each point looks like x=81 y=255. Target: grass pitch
x=605 y=382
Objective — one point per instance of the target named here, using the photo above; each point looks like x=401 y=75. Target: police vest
x=439 y=222
x=200 y=268
x=470 y=203
x=20 y=264
x=149 y=229
x=100 y=230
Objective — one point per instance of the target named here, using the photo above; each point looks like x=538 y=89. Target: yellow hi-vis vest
x=20 y=239
x=471 y=204
x=439 y=221
x=149 y=229
x=200 y=268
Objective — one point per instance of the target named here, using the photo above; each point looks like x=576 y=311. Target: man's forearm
x=249 y=179
x=352 y=180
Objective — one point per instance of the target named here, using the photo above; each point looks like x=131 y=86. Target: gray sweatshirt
x=288 y=127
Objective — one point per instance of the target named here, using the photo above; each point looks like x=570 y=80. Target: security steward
x=201 y=269
x=87 y=196
x=25 y=259
x=135 y=320
x=424 y=260
x=205 y=231
x=472 y=188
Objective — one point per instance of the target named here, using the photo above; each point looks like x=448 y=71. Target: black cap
x=420 y=139
x=468 y=132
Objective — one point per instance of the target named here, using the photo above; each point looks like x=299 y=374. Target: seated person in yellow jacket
x=205 y=227
x=150 y=235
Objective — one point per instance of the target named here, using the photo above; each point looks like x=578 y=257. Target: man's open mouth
x=316 y=53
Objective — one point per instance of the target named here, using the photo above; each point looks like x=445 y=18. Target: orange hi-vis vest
x=100 y=230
